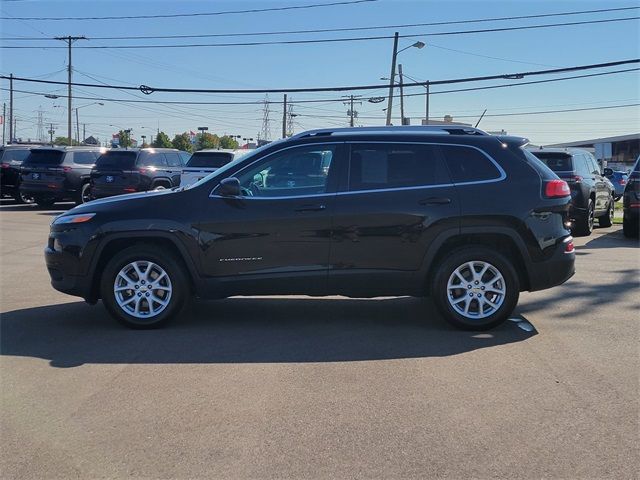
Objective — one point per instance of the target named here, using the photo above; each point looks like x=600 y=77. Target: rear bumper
x=104 y=192
x=555 y=270
x=50 y=190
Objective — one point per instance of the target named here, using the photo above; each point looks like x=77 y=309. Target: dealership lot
x=331 y=387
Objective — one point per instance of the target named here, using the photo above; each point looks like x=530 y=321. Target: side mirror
x=229 y=187
x=608 y=172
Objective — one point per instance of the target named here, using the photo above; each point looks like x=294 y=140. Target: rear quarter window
x=151 y=160
x=467 y=164
x=14 y=155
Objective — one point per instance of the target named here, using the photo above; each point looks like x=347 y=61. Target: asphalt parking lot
x=291 y=387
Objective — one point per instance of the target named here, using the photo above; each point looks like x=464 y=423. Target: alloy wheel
x=476 y=290
x=142 y=289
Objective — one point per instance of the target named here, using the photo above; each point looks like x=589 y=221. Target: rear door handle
x=435 y=201
x=311 y=208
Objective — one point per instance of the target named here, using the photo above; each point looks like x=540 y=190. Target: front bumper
x=64 y=276
x=555 y=270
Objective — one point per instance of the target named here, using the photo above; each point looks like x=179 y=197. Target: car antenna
x=480 y=119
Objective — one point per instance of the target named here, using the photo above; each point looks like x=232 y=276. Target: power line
x=347 y=29
x=328 y=40
x=515 y=76
x=201 y=14
x=331 y=100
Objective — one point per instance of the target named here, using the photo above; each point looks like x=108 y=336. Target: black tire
x=21 y=198
x=84 y=194
x=630 y=229
x=179 y=284
x=606 y=220
x=584 y=225
x=458 y=258
x=44 y=202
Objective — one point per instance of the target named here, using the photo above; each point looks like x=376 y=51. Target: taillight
x=622 y=181
x=142 y=170
x=5 y=165
x=556 y=188
x=576 y=179
x=568 y=246
x=66 y=169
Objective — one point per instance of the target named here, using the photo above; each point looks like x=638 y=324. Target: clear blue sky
x=325 y=65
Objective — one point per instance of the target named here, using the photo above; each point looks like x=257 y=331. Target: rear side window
x=151 y=160
x=467 y=164
x=45 y=157
x=84 y=158
x=210 y=159
x=558 y=162
x=14 y=155
x=184 y=157
x=173 y=159
x=379 y=166
x=119 y=160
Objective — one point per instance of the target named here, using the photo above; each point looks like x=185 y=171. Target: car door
x=174 y=164
x=397 y=199
x=275 y=237
x=603 y=191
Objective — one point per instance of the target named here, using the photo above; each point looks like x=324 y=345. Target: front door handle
x=435 y=201
x=311 y=208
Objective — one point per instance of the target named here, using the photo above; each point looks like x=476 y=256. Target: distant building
x=618 y=152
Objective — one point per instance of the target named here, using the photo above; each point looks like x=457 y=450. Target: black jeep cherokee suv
x=53 y=174
x=120 y=171
x=468 y=218
x=591 y=193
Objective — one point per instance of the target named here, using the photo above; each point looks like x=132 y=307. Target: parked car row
x=46 y=175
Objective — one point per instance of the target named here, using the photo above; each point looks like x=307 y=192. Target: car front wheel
x=144 y=286
x=475 y=288
x=584 y=225
x=606 y=220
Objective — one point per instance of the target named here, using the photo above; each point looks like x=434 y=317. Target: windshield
x=210 y=159
x=220 y=172
x=117 y=160
x=44 y=157
x=14 y=155
x=558 y=162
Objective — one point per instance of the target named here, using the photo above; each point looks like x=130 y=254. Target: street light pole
x=392 y=77
x=401 y=95
x=426 y=107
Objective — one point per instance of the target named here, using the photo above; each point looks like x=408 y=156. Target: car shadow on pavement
x=56 y=209
x=248 y=330
x=608 y=239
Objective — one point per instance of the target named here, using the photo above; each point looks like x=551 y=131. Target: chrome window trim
x=501 y=171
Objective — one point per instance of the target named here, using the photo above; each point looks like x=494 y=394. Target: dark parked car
x=361 y=212
x=631 y=203
x=619 y=181
x=591 y=193
x=11 y=158
x=120 y=171
x=53 y=174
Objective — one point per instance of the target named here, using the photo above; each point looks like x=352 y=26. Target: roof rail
x=431 y=129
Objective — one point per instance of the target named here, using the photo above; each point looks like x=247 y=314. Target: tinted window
x=117 y=159
x=582 y=164
x=556 y=161
x=173 y=159
x=210 y=159
x=184 y=157
x=376 y=166
x=297 y=171
x=151 y=159
x=467 y=164
x=14 y=155
x=45 y=157
x=84 y=158
x=594 y=167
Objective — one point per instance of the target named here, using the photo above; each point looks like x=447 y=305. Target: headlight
x=78 y=218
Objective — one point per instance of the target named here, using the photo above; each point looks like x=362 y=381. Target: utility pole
x=401 y=95
x=51 y=132
x=284 y=117
x=77 y=129
x=11 y=108
x=69 y=39
x=392 y=77
x=352 y=113
x=4 y=120
x=426 y=107
x=84 y=131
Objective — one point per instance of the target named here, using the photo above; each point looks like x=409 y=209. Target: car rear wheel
x=584 y=225
x=144 y=286
x=84 y=195
x=475 y=288
x=21 y=198
x=606 y=220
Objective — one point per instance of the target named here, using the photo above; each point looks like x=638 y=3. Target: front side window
x=382 y=166
x=298 y=171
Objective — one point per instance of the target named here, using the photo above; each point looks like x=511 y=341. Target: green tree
x=124 y=138
x=182 y=142
x=228 y=142
x=63 y=141
x=162 y=141
x=207 y=140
